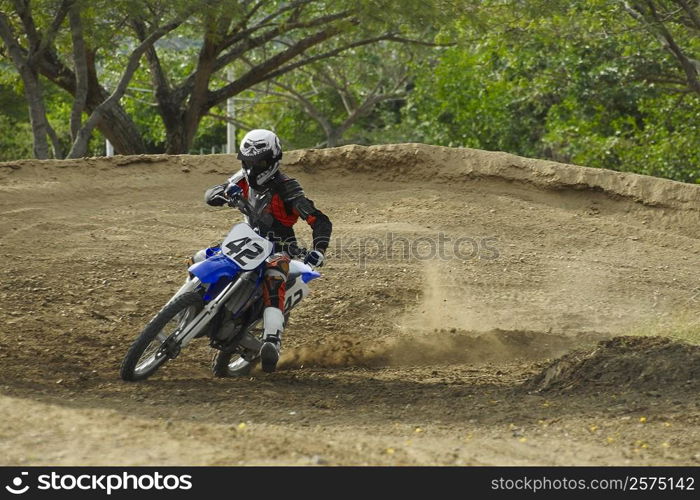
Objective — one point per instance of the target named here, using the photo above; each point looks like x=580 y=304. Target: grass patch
x=683 y=326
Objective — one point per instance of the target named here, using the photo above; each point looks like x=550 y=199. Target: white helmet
x=260 y=152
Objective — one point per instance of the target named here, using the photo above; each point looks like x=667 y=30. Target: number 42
x=239 y=250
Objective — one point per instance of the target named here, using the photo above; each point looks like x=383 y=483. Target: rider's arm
x=236 y=178
x=321 y=226
x=216 y=196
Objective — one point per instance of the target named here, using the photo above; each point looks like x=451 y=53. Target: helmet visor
x=255 y=164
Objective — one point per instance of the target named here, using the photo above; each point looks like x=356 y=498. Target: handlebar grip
x=297 y=251
x=233 y=201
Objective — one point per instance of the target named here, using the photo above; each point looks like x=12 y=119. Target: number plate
x=246 y=247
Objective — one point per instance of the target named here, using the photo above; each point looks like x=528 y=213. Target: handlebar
x=296 y=252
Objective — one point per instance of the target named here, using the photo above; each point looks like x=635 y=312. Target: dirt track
x=429 y=358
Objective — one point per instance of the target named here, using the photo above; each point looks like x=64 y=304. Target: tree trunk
x=119 y=129
x=333 y=137
x=32 y=90
x=37 y=114
x=175 y=143
x=55 y=141
x=179 y=129
x=81 y=71
x=177 y=139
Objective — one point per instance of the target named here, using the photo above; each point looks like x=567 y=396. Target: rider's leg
x=274 y=287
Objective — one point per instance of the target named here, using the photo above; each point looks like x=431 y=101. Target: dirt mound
x=460 y=165
x=626 y=362
x=395 y=161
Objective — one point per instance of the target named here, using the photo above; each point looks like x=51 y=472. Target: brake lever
x=221 y=197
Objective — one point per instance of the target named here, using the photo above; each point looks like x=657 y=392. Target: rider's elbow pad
x=323 y=224
x=213 y=195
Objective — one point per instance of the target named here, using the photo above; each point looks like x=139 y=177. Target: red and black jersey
x=287 y=205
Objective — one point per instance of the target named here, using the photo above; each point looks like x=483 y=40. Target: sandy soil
x=519 y=346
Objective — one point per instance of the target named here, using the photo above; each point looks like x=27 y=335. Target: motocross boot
x=273 y=320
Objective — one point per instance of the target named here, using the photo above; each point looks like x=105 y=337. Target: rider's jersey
x=286 y=203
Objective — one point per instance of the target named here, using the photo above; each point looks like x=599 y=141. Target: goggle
x=255 y=163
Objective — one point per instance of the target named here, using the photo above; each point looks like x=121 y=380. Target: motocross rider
x=261 y=181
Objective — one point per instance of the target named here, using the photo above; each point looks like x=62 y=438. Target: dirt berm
x=476 y=308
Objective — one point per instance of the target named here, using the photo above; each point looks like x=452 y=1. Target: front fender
x=214 y=268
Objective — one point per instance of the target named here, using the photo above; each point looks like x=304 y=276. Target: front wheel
x=150 y=350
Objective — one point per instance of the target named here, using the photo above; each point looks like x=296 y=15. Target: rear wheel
x=227 y=364
x=151 y=349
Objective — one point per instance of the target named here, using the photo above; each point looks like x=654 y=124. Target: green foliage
x=16 y=137
x=465 y=99
x=12 y=103
x=669 y=144
x=211 y=138
x=17 y=143
x=295 y=128
x=580 y=82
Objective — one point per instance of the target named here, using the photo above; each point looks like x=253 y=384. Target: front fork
x=194 y=327
x=190 y=285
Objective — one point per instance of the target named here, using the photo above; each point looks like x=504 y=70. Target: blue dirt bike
x=222 y=301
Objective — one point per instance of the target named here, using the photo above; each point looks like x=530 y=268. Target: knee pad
x=279 y=263
x=275 y=274
x=274 y=290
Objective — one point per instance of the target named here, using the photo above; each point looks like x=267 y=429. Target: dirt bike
x=221 y=300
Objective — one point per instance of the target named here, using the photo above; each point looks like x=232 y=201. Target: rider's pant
x=275 y=282
x=274 y=288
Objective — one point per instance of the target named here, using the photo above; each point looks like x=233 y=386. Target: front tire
x=148 y=353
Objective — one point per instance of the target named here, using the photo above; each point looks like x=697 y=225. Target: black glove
x=314 y=258
x=215 y=196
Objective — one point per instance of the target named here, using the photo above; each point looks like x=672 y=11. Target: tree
x=676 y=26
x=81 y=133
x=338 y=95
x=26 y=61
x=274 y=38
x=44 y=54
x=577 y=82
